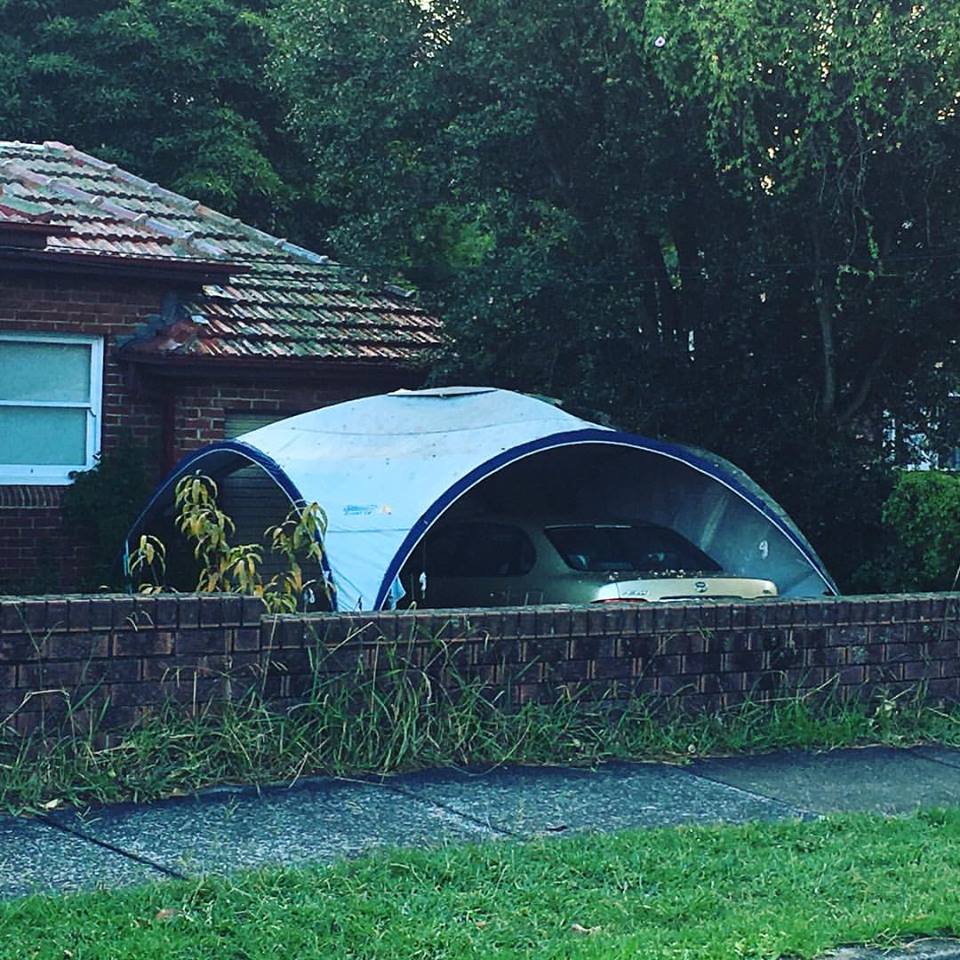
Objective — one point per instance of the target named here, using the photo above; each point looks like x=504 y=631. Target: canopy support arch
x=222 y=462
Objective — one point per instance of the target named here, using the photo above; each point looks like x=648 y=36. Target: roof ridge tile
x=117 y=209
x=281 y=243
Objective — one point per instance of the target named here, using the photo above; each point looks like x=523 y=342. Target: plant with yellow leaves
x=226 y=568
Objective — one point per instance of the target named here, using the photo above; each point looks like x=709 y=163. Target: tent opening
x=592 y=483
x=254 y=501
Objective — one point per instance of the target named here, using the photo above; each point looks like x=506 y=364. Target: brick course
x=130 y=654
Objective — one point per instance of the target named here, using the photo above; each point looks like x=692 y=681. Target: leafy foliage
x=923 y=511
x=148 y=559
x=832 y=130
x=727 y=223
x=170 y=89
x=226 y=568
x=101 y=504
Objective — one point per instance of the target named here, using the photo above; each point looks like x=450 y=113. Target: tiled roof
x=286 y=302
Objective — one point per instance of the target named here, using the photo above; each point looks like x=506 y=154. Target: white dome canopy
x=385 y=468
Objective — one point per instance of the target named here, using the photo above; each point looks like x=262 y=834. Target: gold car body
x=494 y=560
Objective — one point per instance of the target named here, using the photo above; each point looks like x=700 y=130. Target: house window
x=50 y=388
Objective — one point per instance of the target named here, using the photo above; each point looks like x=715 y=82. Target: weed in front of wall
x=229 y=568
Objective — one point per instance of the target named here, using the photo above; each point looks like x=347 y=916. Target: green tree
x=835 y=124
x=174 y=90
x=101 y=504
x=923 y=513
x=726 y=222
x=491 y=150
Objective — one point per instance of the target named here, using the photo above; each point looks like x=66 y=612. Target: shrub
x=227 y=568
x=923 y=513
x=100 y=506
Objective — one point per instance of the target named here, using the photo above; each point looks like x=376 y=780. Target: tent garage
x=390 y=471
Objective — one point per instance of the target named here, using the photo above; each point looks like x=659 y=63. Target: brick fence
x=123 y=655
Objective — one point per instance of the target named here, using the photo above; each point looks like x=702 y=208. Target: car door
x=478 y=563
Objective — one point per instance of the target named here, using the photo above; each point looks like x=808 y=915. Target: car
x=492 y=561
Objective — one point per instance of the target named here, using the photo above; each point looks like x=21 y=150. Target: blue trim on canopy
x=255 y=455
x=573 y=438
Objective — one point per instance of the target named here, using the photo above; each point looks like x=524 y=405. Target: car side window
x=479 y=549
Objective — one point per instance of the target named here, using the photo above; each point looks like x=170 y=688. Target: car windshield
x=643 y=548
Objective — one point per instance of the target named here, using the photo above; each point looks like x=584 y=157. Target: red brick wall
x=202 y=407
x=131 y=654
x=36 y=554
x=123 y=654
x=709 y=655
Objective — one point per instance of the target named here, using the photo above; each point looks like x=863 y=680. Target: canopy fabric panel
x=385 y=468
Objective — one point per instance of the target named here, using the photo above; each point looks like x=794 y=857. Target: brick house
x=128 y=309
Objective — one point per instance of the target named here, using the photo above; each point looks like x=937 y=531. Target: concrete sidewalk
x=324 y=819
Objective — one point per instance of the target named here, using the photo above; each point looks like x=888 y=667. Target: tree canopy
x=729 y=222
x=174 y=90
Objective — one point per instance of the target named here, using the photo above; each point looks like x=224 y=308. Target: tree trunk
x=824 y=301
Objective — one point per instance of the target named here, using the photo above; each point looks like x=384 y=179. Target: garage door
x=248 y=495
x=243 y=422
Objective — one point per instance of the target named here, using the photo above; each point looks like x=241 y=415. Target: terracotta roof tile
x=290 y=303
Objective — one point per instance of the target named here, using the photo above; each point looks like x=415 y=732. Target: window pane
x=44 y=371
x=41 y=436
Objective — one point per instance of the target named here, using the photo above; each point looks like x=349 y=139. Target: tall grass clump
x=389 y=713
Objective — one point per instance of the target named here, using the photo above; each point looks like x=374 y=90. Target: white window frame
x=59 y=474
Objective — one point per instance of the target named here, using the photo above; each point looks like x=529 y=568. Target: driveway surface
x=325 y=819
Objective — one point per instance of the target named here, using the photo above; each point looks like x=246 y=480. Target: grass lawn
x=758 y=891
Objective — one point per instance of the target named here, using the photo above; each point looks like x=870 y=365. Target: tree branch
x=859 y=398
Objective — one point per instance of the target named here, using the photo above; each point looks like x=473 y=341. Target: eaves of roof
x=171 y=366
x=49 y=260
